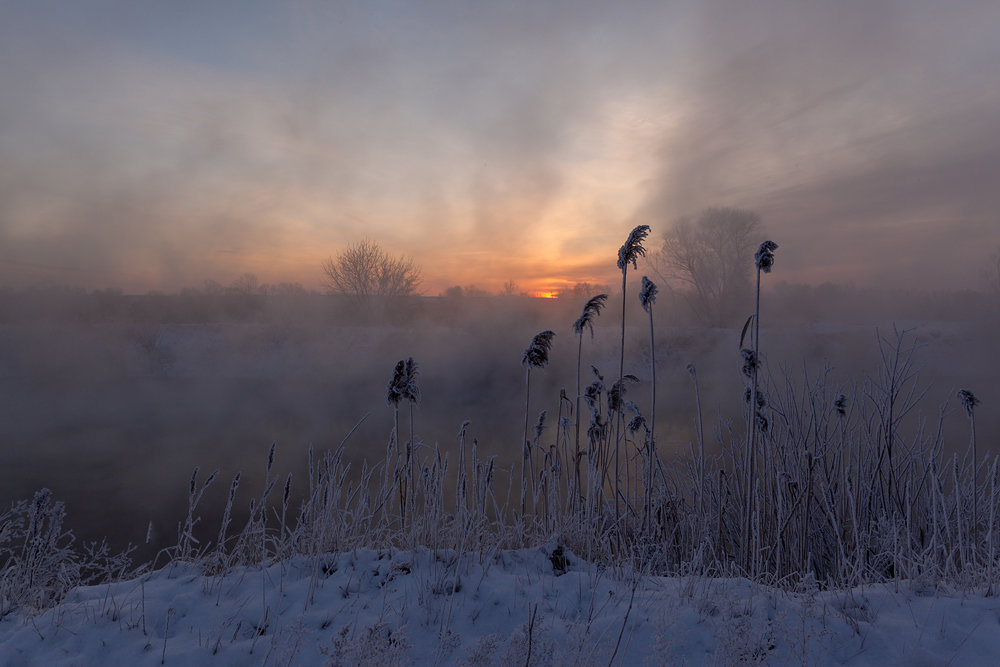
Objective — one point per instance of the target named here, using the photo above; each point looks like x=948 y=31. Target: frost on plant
x=647 y=293
x=536 y=355
x=764 y=256
x=590 y=312
x=632 y=250
x=403 y=384
x=749 y=361
x=375 y=646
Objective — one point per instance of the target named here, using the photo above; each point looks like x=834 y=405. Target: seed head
x=597 y=429
x=762 y=422
x=590 y=311
x=841 y=405
x=647 y=294
x=761 y=397
x=393 y=393
x=765 y=256
x=969 y=401
x=592 y=393
x=536 y=355
x=410 y=371
x=749 y=362
x=403 y=383
x=638 y=421
x=234 y=485
x=617 y=390
x=540 y=425
x=633 y=250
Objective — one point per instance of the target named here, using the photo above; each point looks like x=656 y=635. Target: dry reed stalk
x=536 y=355
x=629 y=253
x=590 y=312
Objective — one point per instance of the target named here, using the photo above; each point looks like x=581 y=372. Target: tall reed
x=764 y=261
x=969 y=402
x=647 y=297
x=536 y=355
x=629 y=253
x=590 y=312
x=403 y=386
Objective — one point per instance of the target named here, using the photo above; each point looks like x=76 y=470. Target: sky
x=152 y=146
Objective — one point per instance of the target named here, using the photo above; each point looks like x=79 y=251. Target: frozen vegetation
x=826 y=523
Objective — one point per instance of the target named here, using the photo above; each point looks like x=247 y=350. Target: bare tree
x=459 y=292
x=581 y=291
x=288 y=289
x=707 y=256
x=365 y=270
x=246 y=284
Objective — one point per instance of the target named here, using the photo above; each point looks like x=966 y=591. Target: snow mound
x=378 y=607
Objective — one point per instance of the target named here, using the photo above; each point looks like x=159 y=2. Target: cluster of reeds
x=821 y=481
x=840 y=485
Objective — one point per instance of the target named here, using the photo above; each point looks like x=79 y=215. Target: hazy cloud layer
x=153 y=148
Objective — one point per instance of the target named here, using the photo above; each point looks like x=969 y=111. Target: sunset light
x=147 y=158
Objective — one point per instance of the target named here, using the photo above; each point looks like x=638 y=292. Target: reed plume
x=617 y=390
x=764 y=257
x=638 y=421
x=632 y=250
x=403 y=384
x=591 y=310
x=647 y=294
x=969 y=401
x=840 y=404
x=536 y=355
x=593 y=393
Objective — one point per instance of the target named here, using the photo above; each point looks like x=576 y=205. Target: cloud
x=158 y=147
x=858 y=134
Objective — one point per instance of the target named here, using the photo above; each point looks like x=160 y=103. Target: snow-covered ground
x=370 y=607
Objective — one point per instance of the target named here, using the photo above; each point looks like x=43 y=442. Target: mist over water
x=113 y=409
